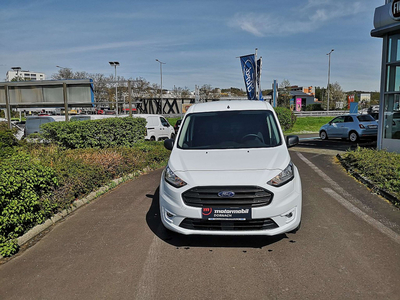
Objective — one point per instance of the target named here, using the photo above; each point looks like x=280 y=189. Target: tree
x=63 y=73
x=284 y=93
x=179 y=92
x=336 y=95
x=207 y=92
x=320 y=93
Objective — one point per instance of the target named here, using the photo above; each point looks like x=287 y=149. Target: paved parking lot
x=116 y=248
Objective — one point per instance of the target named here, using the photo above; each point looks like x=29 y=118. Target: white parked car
x=157 y=127
x=230 y=173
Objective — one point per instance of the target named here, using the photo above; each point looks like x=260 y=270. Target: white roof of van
x=55 y=118
x=230 y=105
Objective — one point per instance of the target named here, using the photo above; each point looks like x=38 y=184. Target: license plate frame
x=227 y=213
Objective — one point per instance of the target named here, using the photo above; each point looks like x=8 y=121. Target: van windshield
x=230 y=130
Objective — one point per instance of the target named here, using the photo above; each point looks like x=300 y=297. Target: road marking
x=376 y=224
x=358 y=212
x=147 y=282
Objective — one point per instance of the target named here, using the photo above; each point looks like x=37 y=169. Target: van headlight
x=172 y=179
x=283 y=177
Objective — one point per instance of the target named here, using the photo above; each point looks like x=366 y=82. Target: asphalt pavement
x=116 y=248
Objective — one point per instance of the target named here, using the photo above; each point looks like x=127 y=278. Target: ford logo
x=226 y=194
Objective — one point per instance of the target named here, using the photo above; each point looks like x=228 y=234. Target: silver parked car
x=351 y=126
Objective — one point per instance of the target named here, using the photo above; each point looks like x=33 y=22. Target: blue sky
x=198 y=40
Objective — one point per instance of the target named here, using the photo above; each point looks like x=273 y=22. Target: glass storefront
x=391 y=109
x=387 y=27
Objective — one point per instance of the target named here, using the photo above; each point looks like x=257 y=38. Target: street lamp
x=161 y=63
x=329 y=75
x=65 y=73
x=115 y=64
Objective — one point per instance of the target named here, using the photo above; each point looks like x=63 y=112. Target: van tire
x=172 y=136
x=152 y=139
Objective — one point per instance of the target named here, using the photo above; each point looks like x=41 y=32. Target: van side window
x=164 y=122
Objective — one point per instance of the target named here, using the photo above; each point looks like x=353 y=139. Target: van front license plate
x=223 y=213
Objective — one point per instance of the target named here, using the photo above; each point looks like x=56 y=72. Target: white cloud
x=313 y=15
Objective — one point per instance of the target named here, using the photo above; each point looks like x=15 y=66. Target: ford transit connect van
x=230 y=173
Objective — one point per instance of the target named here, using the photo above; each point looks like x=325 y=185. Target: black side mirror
x=169 y=144
x=292 y=140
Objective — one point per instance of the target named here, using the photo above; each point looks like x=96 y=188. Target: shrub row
x=380 y=167
x=103 y=133
x=25 y=185
x=286 y=117
x=39 y=180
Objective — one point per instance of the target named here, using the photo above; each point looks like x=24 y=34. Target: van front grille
x=227 y=196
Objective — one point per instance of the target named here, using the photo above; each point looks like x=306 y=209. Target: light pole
x=161 y=63
x=66 y=74
x=115 y=64
x=329 y=75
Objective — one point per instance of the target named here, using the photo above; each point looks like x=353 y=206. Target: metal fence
x=331 y=113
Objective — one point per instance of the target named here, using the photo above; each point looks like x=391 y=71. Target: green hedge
x=7 y=139
x=380 y=167
x=24 y=187
x=39 y=180
x=103 y=133
x=286 y=117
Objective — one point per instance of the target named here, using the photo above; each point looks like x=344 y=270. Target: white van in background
x=157 y=127
x=89 y=117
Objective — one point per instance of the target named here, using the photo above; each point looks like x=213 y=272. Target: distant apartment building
x=25 y=75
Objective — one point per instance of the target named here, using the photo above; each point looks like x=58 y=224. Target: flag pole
x=255 y=60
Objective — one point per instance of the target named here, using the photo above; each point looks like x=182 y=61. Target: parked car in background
x=177 y=125
x=157 y=127
x=351 y=126
x=32 y=124
x=375 y=115
x=18 y=125
x=373 y=108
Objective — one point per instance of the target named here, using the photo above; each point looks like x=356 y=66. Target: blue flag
x=249 y=74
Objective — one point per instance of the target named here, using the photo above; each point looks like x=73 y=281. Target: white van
x=89 y=117
x=32 y=124
x=230 y=173
x=157 y=127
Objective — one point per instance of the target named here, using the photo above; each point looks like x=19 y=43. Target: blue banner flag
x=249 y=74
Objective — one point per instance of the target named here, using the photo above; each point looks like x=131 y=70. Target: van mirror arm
x=169 y=144
x=292 y=140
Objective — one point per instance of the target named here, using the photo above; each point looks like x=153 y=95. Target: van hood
x=276 y=158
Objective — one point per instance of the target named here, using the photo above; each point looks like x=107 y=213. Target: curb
x=385 y=194
x=33 y=232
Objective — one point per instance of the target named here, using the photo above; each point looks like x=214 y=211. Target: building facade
x=26 y=75
x=387 y=27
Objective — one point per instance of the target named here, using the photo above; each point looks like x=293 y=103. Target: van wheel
x=172 y=136
x=152 y=139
